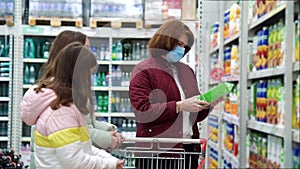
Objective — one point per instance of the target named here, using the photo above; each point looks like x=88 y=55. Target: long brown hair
x=63 y=39
x=72 y=78
x=166 y=38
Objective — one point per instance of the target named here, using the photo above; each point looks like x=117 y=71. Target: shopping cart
x=156 y=157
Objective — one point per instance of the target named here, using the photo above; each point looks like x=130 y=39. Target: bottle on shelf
x=32 y=72
x=117 y=101
x=29 y=48
x=119 y=51
x=26 y=74
x=46 y=49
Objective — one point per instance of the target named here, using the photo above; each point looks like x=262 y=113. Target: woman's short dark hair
x=166 y=38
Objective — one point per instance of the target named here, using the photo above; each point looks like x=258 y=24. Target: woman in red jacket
x=163 y=91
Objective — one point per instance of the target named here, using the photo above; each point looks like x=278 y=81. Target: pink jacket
x=61 y=136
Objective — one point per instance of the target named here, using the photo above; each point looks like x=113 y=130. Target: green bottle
x=100 y=103
x=46 y=49
x=29 y=48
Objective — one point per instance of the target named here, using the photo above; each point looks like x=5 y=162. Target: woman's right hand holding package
x=192 y=104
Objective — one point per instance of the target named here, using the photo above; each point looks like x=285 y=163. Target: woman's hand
x=192 y=104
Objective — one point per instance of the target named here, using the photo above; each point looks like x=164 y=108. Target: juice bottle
x=269 y=101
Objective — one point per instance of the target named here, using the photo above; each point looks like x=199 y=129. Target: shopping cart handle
x=164 y=140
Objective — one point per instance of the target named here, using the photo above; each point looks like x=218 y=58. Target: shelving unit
x=6 y=34
x=286 y=72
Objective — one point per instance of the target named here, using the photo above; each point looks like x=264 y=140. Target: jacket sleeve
x=101 y=125
x=72 y=156
x=102 y=153
x=140 y=92
x=100 y=138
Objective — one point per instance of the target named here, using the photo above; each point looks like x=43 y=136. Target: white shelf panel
x=212 y=144
x=123 y=114
x=123 y=62
x=267 y=16
x=26 y=139
x=90 y=32
x=34 y=60
x=231 y=118
x=4 y=79
x=5 y=30
x=215 y=49
x=215 y=113
x=266 y=128
x=102 y=62
x=4 y=119
x=296 y=135
x=3 y=138
x=26 y=86
x=296 y=67
x=230 y=157
x=4 y=99
x=5 y=59
x=100 y=88
x=120 y=88
x=266 y=73
x=231 y=78
x=232 y=39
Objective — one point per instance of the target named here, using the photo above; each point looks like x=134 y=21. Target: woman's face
x=183 y=40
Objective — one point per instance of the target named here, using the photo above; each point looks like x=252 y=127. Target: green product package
x=216 y=92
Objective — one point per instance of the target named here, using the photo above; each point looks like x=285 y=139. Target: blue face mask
x=176 y=54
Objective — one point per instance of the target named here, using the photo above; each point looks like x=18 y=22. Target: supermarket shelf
x=4 y=99
x=100 y=88
x=267 y=16
x=4 y=59
x=215 y=49
x=123 y=114
x=4 y=118
x=120 y=88
x=212 y=144
x=231 y=78
x=26 y=139
x=296 y=66
x=4 y=30
x=123 y=62
x=231 y=118
x=90 y=32
x=4 y=79
x=296 y=135
x=232 y=39
x=234 y=161
x=266 y=128
x=3 y=138
x=214 y=82
x=26 y=86
x=34 y=60
x=266 y=73
x=102 y=62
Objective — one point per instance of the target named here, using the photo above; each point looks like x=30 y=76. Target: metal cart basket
x=156 y=157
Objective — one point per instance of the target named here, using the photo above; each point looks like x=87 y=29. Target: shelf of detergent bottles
x=279 y=7
x=230 y=157
x=276 y=130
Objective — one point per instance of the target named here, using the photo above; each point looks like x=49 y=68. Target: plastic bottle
x=105 y=103
x=31 y=74
x=118 y=101
x=29 y=49
x=100 y=103
x=114 y=52
x=46 y=49
x=26 y=74
x=119 y=51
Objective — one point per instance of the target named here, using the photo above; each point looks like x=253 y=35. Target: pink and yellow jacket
x=61 y=136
